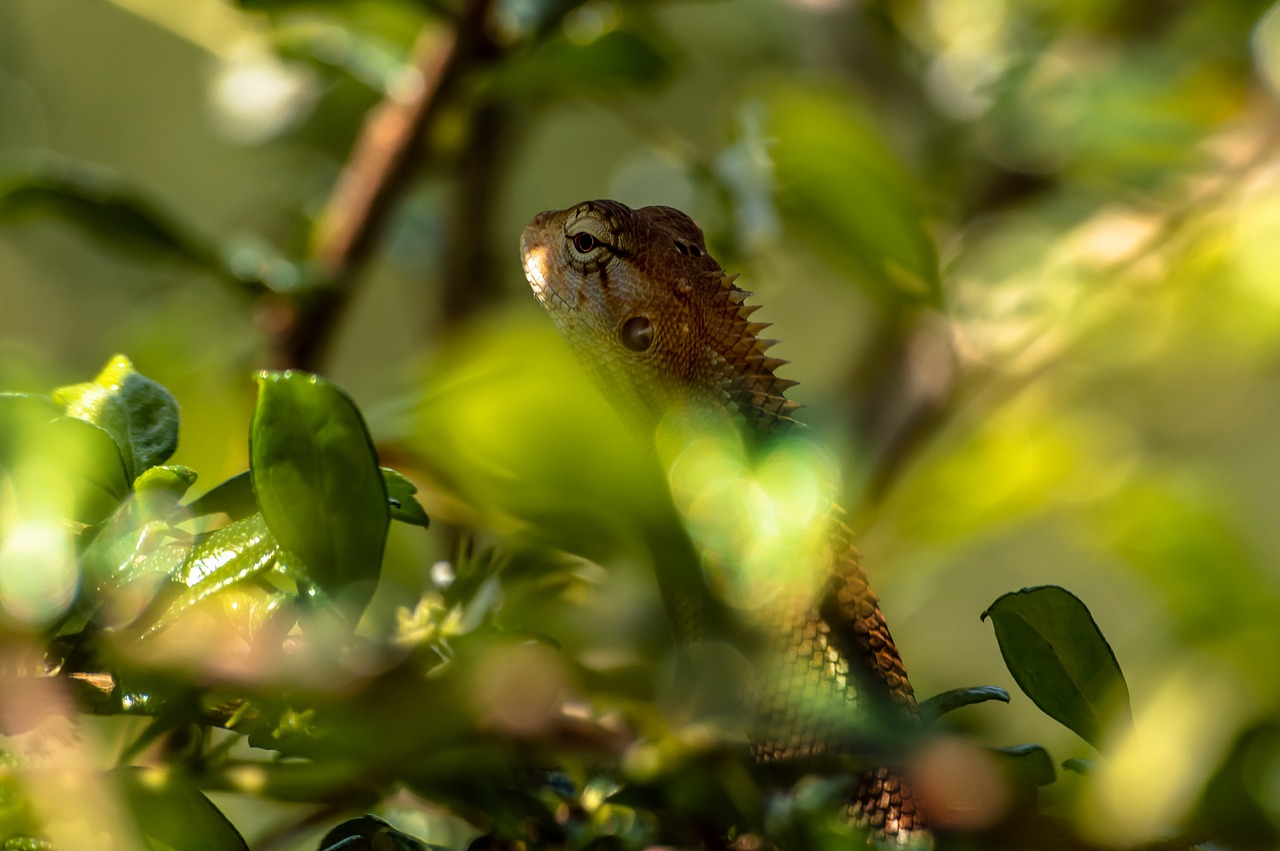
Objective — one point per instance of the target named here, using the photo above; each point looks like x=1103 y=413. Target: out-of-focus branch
x=385 y=156
x=470 y=279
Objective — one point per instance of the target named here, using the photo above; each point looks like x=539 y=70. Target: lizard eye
x=584 y=242
x=637 y=333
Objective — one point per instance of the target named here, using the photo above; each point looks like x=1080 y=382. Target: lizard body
x=663 y=329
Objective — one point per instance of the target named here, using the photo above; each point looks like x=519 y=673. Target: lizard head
x=651 y=314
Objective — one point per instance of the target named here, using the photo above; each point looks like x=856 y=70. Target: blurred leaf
x=949 y=701
x=27 y=843
x=316 y=477
x=843 y=189
x=1060 y=659
x=60 y=466
x=238 y=551
x=618 y=60
x=158 y=490
x=1078 y=766
x=509 y=416
x=106 y=208
x=234 y=497
x=1238 y=806
x=284 y=4
x=370 y=833
x=400 y=498
x=19 y=823
x=173 y=814
x=172 y=479
x=1167 y=525
x=1029 y=763
x=139 y=414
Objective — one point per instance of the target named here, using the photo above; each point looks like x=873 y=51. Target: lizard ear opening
x=637 y=333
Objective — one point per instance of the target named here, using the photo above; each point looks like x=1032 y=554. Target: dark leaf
x=1060 y=659
x=400 y=493
x=368 y=832
x=1079 y=766
x=949 y=701
x=317 y=481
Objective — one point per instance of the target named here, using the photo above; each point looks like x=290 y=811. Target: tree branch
x=389 y=150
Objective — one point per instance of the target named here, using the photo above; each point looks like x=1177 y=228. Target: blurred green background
x=1024 y=257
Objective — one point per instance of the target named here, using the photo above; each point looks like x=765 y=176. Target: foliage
x=1022 y=257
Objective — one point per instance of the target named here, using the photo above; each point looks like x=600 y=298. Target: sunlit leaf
x=61 y=466
x=139 y=414
x=316 y=478
x=1060 y=659
x=172 y=813
x=949 y=701
x=400 y=497
x=235 y=553
x=106 y=208
x=159 y=489
x=844 y=191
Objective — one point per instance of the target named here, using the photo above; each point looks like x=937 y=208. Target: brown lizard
x=665 y=332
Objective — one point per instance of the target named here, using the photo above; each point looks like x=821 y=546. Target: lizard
x=664 y=331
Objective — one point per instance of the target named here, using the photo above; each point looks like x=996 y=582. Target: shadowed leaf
x=949 y=701
x=1060 y=659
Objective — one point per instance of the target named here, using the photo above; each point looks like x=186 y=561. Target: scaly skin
x=665 y=332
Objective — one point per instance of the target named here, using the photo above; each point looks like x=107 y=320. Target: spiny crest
x=758 y=394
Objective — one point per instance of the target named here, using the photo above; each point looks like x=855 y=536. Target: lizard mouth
x=536 y=262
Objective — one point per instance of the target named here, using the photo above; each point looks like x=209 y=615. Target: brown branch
x=389 y=150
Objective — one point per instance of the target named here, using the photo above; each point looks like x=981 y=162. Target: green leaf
x=157 y=491
x=1029 y=763
x=172 y=813
x=617 y=60
x=369 y=831
x=400 y=493
x=843 y=189
x=1060 y=659
x=1079 y=766
x=175 y=480
x=139 y=414
x=233 y=554
x=234 y=497
x=957 y=698
x=60 y=466
x=106 y=208
x=316 y=478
